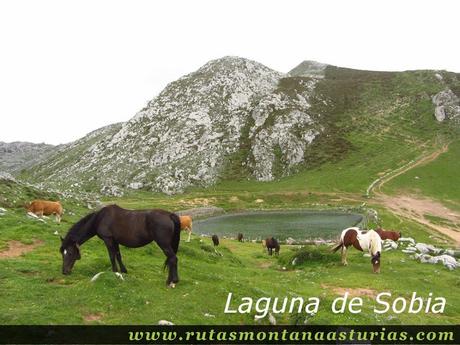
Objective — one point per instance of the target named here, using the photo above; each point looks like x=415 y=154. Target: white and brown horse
x=186 y=225
x=45 y=208
x=362 y=240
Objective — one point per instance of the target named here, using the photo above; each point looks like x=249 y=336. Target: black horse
x=215 y=240
x=240 y=237
x=271 y=243
x=115 y=226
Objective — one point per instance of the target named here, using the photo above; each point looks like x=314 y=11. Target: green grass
x=437 y=179
x=34 y=291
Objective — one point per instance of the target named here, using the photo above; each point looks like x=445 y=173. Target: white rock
x=165 y=323
x=290 y=241
x=407 y=239
x=96 y=276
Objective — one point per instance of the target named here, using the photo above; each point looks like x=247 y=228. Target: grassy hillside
x=206 y=279
x=437 y=179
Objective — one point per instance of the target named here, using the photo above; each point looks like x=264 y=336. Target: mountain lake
x=298 y=224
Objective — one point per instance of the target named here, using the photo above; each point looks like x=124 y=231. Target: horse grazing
x=115 y=226
x=271 y=243
x=186 y=224
x=363 y=241
x=45 y=208
x=388 y=235
x=240 y=237
x=215 y=240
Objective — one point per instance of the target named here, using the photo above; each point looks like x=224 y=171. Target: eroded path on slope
x=415 y=207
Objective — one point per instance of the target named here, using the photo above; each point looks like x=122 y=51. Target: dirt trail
x=423 y=160
x=415 y=208
x=16 y=248
x=353 y=292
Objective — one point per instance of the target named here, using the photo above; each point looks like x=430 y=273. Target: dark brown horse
x=215 y=240
x=115 y=226
x=271 y=243
x=240 y=237
x=388 y=235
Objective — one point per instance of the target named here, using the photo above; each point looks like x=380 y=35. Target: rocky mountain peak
x=308 y=68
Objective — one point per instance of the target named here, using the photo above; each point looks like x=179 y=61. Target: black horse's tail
x=176 y=237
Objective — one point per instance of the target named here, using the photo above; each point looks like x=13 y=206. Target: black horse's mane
x=73 y=235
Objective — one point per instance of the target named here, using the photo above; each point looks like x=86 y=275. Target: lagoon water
x=299 y=225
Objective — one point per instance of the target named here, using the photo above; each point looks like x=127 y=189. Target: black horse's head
x=376 y=262
x=70 y=253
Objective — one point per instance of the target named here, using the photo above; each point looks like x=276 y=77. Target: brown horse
x=45 y=208
x=388 y=235
x=133 y=229
x=186 y=224
x=362 y=240
x=240 y=237
x=271 y=243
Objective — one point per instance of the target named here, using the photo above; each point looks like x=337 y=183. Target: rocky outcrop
x=283 y=128
x=447 y=106
x=19 y=155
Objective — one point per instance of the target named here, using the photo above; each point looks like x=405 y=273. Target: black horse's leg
x=112 y=252
x=120 y=263
x=171 y=261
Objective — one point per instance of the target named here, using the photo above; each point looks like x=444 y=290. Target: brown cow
x=186 y=224
x=46 y=208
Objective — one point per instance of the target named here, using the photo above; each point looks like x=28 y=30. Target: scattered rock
x=209 y=315
x=290 y=241
x=96 y=276
x=271 y=319
x=447 y=260
x=136 y=185
x=119 y=275
x=165 y=323
x=390 y=245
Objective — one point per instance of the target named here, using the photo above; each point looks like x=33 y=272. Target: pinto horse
x=388 y=235
x=186 y=224
x=46 y=208
x=363 y=241
x=115 y=226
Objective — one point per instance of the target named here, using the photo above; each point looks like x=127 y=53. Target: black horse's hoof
x=124 y=270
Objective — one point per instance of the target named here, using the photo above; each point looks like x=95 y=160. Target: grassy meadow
x=34 y=291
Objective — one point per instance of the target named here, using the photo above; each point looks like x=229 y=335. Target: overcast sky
x=69 y=67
